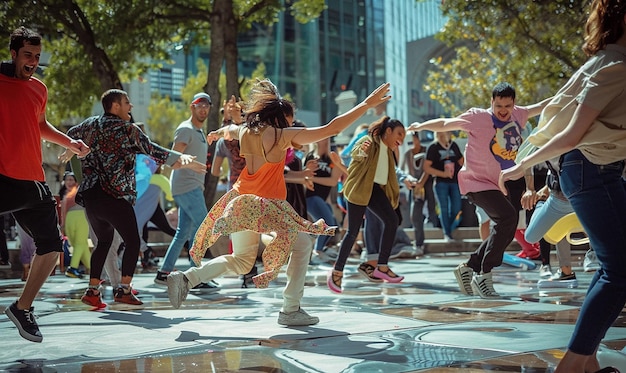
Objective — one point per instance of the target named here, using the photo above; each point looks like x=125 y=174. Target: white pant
x=243 y=258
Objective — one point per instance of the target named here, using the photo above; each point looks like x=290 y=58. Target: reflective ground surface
x=421 y=325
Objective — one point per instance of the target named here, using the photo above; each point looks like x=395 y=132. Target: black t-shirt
x=295 y=192
x=439 y=155
x=325 y=170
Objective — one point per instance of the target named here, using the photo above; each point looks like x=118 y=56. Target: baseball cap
x=201 y=96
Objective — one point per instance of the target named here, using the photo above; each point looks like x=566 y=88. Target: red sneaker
x=93 y=297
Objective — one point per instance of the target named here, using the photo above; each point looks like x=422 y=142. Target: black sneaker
x=247 y=278
x=161 y=278
x=148 y=259
x=207 y=287
x=25 y=322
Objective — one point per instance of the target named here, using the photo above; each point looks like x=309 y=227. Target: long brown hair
x=266 y=107
x=604 y=25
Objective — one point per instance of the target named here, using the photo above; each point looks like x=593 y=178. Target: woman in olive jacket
x=372 y=183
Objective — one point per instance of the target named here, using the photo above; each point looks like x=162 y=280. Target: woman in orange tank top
x=256 y=204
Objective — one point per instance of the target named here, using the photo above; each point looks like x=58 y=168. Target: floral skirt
x=236 y=212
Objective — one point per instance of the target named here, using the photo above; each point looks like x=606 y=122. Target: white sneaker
x=545 y=271
x=297 y=318
x=591 y=262
x=177 y=288
x=463 y=275
x=419 y=250
x=483 y=285
x=559 y=280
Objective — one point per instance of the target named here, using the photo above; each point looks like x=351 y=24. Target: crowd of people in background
x=379 y=190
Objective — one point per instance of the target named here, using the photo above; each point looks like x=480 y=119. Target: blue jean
x=545 y=215
x=598 y=196
x=191 y=212
x=318 y=208
x=449 y=199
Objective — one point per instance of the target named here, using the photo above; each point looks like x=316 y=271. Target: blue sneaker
x=73 y=273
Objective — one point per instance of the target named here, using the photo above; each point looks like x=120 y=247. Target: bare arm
x=330 y=181
x=559 y=144
x=536 y=109
x=438 y=124
x=49 y=133
x=429 y=169
x=216 y=166
x=338 y=162
x=339 y=123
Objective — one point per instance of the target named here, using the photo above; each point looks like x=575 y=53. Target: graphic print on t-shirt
x=506 y=142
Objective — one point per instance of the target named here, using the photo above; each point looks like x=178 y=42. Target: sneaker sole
x=555 y=284
x=476 y=290
x=303 y=323
x=371 y=279
x=23 y=333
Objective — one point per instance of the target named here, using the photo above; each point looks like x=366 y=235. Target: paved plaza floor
x=423 y=324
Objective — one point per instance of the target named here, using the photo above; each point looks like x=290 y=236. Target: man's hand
x=410 y=182
x=312 y=165
x=79 y=148
x=512 y=173
x=66 y=156
x=188 y=162
x=529 y=199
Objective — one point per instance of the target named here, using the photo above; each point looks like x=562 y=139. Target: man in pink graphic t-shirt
x=494 y=137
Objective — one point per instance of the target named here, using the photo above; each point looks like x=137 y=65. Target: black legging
x=378 y=204
x=160 y=221
x=107 y=214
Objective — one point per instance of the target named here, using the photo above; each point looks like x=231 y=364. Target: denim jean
x=449 y=199
x=597 y=194
x=191 y=212
x=545 y=215
x=318 y=208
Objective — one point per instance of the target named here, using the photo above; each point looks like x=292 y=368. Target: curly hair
x=604 y=25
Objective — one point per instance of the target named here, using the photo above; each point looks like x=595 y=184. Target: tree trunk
x=216 y=60
x=231 y=27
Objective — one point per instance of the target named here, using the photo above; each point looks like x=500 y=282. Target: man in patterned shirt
x=108 y=189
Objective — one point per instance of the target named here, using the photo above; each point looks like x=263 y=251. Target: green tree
x=532 y=44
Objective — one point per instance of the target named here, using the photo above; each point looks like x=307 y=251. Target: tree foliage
x=97 y=45
x=532 y=44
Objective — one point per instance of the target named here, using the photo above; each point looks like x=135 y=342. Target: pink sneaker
x=333 y=281
x=388 y=276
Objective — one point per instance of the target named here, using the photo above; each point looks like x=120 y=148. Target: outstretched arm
x=561 y=143
x=439 y=124
x=536 y=109
x=340 y=122
x=49 y=133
